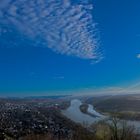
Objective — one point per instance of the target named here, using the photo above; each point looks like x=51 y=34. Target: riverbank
x=74 y=113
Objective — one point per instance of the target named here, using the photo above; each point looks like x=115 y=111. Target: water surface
x=74 y=113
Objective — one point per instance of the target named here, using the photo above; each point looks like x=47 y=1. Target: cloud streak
x=64 y=27
x=138 y=56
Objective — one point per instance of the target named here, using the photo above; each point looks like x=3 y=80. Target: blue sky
x=92 y=45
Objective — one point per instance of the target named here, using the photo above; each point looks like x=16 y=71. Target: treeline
x=113 y=129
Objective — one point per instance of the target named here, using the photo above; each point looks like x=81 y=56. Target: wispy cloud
x=58 y=77
x=64 y=27
x=138 y=56
x=129 y=89
x=114 y=90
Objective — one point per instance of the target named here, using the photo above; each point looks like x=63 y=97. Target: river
x=74 y=113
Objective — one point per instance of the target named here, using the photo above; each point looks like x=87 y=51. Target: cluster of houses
x=18 y=119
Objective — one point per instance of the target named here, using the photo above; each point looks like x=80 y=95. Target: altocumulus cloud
x=65 y=27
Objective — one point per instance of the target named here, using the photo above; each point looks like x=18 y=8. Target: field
x=123 y=106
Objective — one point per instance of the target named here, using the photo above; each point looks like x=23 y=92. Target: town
x=22 y=117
